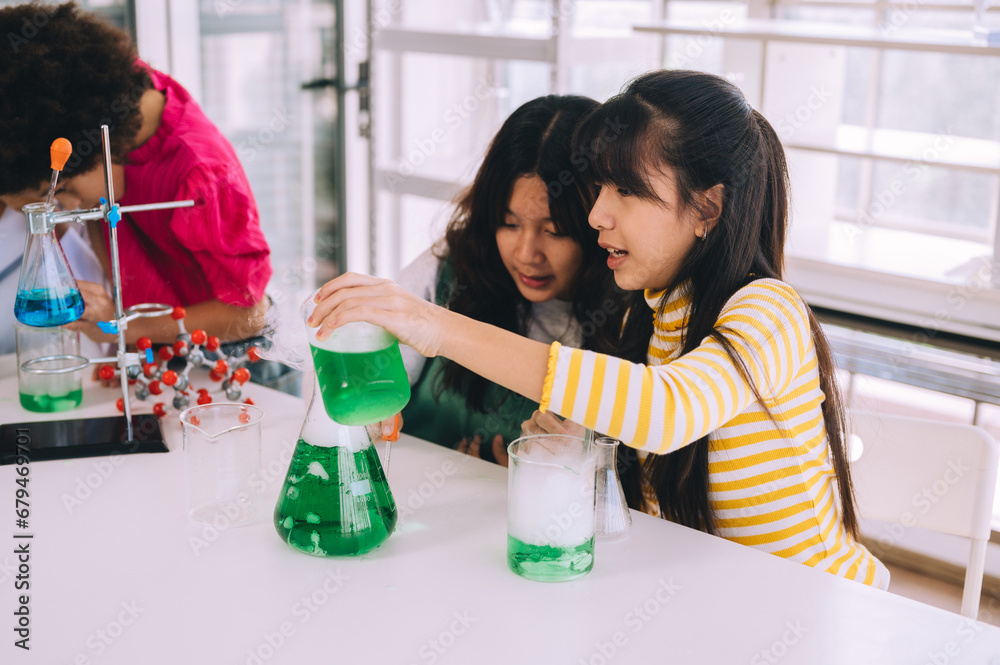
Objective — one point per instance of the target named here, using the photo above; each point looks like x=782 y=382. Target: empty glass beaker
x=550 y=507
x=613 y=519
x=222 y=461
x=335 y=500
x=360 y=371
x=49 y=368
x=47 y=293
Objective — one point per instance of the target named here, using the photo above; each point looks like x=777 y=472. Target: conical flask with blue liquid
x=47 y=293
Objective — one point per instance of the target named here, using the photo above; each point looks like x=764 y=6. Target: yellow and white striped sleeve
x=661 y=408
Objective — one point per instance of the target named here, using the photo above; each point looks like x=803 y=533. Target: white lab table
x=119 y=575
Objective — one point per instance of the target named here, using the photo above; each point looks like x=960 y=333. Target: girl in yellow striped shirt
x=718 y=373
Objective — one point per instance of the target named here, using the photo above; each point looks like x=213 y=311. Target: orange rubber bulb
x=59 y=153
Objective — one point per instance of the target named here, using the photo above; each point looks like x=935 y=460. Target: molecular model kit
x=153 y=377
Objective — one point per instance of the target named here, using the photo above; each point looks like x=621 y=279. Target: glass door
x=269 y=74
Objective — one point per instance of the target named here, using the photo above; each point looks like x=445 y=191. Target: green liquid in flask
x=334 y=502
x=362 y=388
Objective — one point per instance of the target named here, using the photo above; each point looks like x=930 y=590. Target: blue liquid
x=40 y=307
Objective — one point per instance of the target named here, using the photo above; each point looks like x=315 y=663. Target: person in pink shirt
x=74 y=74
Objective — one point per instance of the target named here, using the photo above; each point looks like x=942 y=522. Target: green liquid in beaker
x=362 y=388
x=50 y=403
x=334 y=502
x=546 y=563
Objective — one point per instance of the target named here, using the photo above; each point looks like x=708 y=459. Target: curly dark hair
x=64 y=73
x=535 y=140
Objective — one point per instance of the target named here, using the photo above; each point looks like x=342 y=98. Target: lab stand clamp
x=48 y=295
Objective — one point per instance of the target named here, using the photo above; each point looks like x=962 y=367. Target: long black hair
x=535 y=140
x=702 y=128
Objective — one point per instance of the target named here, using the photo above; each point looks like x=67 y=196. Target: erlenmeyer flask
x=614 y=521
x=361 y=373
x=335 y=500
x=47 y=294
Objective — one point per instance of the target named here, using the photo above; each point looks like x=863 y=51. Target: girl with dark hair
x=519 y=255
x=719 y=374
x=72 y=74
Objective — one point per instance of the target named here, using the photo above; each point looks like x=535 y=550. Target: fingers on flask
x=336 y=500
x=360 y=372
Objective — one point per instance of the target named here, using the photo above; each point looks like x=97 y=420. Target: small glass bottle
x=614 y=521
x=47 y=293
x=335 y=500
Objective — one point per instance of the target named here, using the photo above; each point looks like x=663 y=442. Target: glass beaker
x=222 y=460
x=613 y=519
x=550 y=507
x=360 y=372
x=335 y=500
x=47 y=293
x=53 y=381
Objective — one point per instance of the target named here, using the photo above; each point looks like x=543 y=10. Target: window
x=890 y=120
x=247 y=69
x=446 y=74
x=889 y=115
